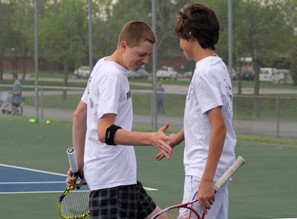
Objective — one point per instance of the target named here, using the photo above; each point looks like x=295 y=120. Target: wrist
x=207 y=180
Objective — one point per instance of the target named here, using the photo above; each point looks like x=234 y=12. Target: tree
x=257 y=29
x=6 y=30
x=166 y=13
x=64 y=33
x=23 y=29
x=293 y=59
x=109 y=22
x=289 y=9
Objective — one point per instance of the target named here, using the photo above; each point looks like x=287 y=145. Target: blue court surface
x=16 y=180
x=23 y=180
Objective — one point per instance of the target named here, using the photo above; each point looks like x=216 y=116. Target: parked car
x=268 y=74
x=247 y=74
x=234 y=75
x=140 y=74
x=82 y=72
x=188 y=74
x=166 y=73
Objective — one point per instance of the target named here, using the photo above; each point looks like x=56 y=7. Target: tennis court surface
x=24 y=180
x=34 y=163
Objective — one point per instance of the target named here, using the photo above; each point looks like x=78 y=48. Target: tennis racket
x=74 y=201
x=172 y=212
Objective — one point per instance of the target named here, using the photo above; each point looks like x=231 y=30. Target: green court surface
x=263 y=188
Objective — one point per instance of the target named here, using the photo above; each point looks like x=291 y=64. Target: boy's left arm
x=206 y=191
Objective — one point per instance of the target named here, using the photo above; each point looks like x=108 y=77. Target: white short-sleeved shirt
x=210 y=87
x=108 y=91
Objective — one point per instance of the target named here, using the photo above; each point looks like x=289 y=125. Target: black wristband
x=109 y=135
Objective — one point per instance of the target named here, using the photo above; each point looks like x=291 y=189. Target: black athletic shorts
x=122 y=202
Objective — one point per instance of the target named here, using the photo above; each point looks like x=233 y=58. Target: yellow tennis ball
x=32 y=120
x=48 y=122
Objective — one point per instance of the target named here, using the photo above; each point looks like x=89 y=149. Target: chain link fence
x=271 y=116
x=263 y=57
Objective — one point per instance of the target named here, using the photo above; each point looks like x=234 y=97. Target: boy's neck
x=115 y=57
x=203 y=53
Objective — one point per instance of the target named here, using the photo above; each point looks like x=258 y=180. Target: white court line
x=150 y=189
x=38 y=192
x=35 y=182
x=39 y=171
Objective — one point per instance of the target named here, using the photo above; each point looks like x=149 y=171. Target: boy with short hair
x=102 y=135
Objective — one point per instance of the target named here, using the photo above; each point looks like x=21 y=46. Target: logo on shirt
x=91 y=103
x=128 y=95
x=228 y=90
x=228 y=103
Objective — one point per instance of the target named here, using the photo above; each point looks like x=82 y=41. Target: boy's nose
x=146 y=59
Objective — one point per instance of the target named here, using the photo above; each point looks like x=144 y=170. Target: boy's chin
x=134 y=69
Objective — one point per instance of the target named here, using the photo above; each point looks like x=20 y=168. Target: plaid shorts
x=122 y=202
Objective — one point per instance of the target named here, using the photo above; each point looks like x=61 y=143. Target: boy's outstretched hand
x=160 y=141
x=160 y=155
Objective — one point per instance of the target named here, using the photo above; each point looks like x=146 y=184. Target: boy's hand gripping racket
x=74 y=201
x=72 y=162
x=172 y=212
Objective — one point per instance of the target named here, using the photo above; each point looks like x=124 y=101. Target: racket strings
x=76 y=202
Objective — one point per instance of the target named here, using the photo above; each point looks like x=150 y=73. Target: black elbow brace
x=109 y=135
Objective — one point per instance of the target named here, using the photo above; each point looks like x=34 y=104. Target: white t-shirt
x=108 y=91
x=210 y=87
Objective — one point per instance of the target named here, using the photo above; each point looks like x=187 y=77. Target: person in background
x=16 y=98
x=160 y=98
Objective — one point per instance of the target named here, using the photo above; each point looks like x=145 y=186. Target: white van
x=276 y=76
x=267 y=74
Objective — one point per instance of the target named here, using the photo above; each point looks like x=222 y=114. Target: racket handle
x=229 y=173
x=72 y=160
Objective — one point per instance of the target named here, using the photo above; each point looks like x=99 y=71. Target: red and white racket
x=172 y=212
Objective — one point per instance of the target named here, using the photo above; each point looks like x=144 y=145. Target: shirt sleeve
x=109 y=95
x=84 y=97
x=208 y=93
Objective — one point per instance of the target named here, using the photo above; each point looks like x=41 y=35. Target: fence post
x=41 y=102
x=277 y=116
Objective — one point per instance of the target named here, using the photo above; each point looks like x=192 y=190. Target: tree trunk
x=65 y=81
x=24 y=55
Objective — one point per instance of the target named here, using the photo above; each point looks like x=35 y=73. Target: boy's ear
x=123 y=44
x=191 y=36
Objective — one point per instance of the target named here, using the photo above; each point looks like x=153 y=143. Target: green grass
x=60 y=75
x=265 y=108
x=268 y=140
x=56 y=101
x=264 y=188
x=244 y=107
x=251 y=84
x=247 y=107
